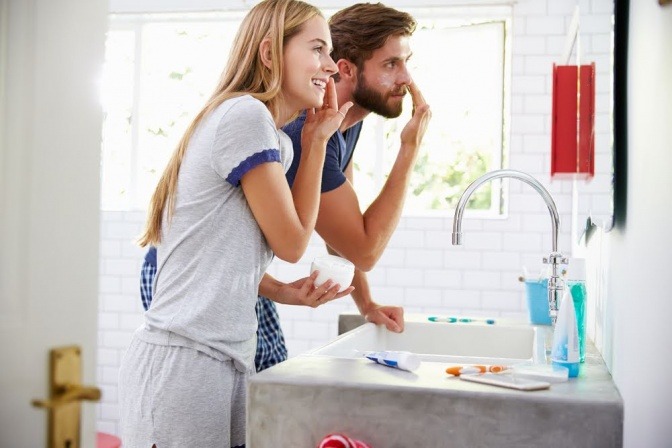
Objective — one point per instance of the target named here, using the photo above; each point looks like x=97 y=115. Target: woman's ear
x=265 y=53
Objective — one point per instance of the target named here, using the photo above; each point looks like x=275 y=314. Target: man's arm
x=362 y=237
x=390 y=316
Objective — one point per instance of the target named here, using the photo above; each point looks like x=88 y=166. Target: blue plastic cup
x=537 y=301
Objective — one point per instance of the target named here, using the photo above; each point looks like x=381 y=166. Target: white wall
x=638 y=316
x=51 y=55
x=420 y=269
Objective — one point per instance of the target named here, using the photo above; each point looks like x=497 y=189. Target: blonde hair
x=245 y=74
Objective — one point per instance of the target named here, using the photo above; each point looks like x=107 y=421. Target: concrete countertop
x=299 y=401
x=594 y=383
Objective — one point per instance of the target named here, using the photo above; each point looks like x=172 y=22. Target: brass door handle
x=68 y=394
x=65 y=395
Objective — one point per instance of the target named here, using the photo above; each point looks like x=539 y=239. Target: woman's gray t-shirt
x=213 y=254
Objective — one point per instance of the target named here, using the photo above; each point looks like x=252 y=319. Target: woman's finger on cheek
x=330 y=96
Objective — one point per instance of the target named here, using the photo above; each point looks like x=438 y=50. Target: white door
x=51 y=55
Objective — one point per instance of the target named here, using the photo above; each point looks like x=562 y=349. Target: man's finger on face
x=416 y=95
x=416 y=98
x=424 y=108
x=421 y=114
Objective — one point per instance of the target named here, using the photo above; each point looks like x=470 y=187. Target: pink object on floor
x=104 y=440
x=341 y=441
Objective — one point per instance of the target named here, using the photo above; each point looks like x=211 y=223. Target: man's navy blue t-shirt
x=339 y=152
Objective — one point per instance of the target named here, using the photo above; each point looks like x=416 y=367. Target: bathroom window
x=161 y=67
x=460 y=65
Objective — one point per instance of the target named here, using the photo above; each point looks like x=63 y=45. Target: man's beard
x=370 y=99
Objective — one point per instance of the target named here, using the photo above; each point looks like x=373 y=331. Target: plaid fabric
x=271 y=348
x=147 y=274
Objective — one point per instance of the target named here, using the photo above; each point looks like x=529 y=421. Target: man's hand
x=390 y=316
x=416 y=127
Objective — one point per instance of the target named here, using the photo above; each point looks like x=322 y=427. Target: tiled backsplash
x=420 y=271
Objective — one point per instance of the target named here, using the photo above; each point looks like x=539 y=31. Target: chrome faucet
x=555 y=259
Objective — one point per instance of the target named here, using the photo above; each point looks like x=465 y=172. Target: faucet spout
x=555 y=282
x=497 y=174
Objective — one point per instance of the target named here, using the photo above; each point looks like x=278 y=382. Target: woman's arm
x=287 y=217
x=301 y=292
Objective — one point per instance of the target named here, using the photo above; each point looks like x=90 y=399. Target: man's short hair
x=358 y=30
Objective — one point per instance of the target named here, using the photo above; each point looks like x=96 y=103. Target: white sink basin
x=443 y=342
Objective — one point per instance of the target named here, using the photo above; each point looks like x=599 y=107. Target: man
x=371 y=50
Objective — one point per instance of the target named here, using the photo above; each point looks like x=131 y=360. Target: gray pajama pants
x=174 y=396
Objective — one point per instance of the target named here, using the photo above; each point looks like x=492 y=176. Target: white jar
x=337 y=269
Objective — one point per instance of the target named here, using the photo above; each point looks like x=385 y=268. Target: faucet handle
x=556 y=258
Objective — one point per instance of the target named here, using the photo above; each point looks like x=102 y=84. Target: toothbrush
x=452 y=320
x=466 y=370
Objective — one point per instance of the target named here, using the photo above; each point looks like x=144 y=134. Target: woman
x=219 y=212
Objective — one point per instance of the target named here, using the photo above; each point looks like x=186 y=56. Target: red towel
x=341 y=441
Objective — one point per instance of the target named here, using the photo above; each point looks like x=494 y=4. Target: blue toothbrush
x=452 y=320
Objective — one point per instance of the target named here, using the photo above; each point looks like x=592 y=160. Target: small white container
x=337 y=269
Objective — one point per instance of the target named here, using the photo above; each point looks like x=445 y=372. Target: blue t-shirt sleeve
x=351 y=139
x=293 y=130
x=332 y=175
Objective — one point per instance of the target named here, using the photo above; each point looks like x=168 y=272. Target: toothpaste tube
x=397 y=359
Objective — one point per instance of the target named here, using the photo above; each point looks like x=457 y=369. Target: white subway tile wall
x=420 y=269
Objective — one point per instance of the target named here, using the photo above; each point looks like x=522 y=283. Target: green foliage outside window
x=444 y=183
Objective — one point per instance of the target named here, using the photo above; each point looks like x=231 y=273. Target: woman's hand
x=304 y=292
x=321 y=123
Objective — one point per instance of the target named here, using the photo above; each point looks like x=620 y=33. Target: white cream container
x=337 y=269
